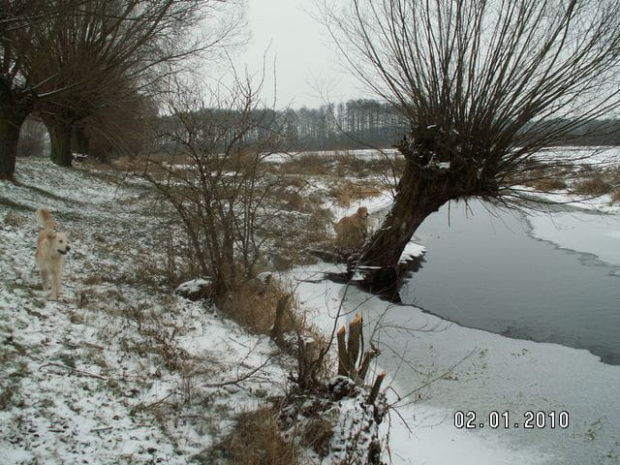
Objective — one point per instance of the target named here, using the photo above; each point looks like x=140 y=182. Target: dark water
x=486 y=272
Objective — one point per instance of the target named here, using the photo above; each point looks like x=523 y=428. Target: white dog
x=352 y=231
x=52 y=247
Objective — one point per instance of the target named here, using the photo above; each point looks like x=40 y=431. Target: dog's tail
x=44 y=218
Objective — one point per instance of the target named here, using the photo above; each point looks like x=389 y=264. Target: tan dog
x=352 y=231
x=52 y=247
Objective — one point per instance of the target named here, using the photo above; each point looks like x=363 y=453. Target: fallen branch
x=239 y=379
x=73 y=370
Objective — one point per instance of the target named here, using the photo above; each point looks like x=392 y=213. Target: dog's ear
x=51 y=235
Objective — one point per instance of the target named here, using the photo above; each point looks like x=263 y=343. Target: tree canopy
x=483 y=84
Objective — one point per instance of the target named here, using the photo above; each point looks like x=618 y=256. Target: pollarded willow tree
x=484 y=86
x=103 y=53
x=71 y=60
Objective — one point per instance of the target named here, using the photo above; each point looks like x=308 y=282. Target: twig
x=436 y=378
x=159 y=401
x=104 y=428
x=73 y=370
x=239 y=379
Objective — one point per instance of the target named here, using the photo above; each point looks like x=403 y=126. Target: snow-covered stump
x=340 y=424
x=349 y=362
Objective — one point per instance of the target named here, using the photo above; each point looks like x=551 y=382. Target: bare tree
x=484 y=85
x=217 y=181
x=85 y=55
x=134 y=43
x=125 y=128
x=17 y=94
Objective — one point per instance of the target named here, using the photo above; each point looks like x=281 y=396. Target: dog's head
x=59 y=242
x=362 y=212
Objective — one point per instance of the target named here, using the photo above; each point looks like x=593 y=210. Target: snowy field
x=83 y=381
x=365 y=154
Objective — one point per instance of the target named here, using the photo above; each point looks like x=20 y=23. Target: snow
x=435 y=440
x=601 y=156
x=592 y=233
x=85 y=380
x=366 y=154
x=193 y=286
x=448 y=368
x=119 y=370
x=475 y=371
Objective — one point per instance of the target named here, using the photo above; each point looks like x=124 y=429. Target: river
x=483 y=269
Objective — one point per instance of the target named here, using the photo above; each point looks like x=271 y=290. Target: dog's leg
x=55 y=282
x=45 y=278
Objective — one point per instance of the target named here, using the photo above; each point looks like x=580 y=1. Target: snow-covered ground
x=81 y=380
x=365 y=154
x=121 y=370
x=591 y=233
x=447 y=368
x=471 y=370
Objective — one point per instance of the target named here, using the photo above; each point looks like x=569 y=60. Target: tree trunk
x=13 y=113
x=421 y=191
x=61 y=131
x=81 y=141
x=9 y=138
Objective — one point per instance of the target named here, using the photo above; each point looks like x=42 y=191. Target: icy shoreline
x=496 y=373
x=492 y=372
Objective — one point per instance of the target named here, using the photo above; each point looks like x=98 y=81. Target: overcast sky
x=305 y=65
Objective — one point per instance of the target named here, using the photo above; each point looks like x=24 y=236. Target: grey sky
x=305 y=64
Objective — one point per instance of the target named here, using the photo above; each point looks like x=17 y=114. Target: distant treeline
x=351 y=125
x=358 y=124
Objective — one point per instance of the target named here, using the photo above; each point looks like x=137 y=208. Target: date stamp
x=505 y=420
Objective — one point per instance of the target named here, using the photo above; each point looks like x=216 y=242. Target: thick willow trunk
x=81 y=141
x=61 y=132
x=420 y=193
x=10 y=127
x=13 y=112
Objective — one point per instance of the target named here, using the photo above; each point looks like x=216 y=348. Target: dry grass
x=255 y=440
x=594 y=187
x=253 y=305
x=317 y=226
x=543 y=178
x=311 y=164
x=341 y=164
x=294 y=201
x=317 y=434
x=347 y=191
x=15 y=220
x=548 y=184
x=586 y=180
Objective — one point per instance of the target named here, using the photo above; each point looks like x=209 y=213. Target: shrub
x=548 y=184
x=347 y=191
x=311 y=164
x=254 y=303
x=257 y=440
x=593 y=187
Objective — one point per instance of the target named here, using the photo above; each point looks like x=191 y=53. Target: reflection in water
x=484 y=271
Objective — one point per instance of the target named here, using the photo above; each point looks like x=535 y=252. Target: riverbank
x=446 y=368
